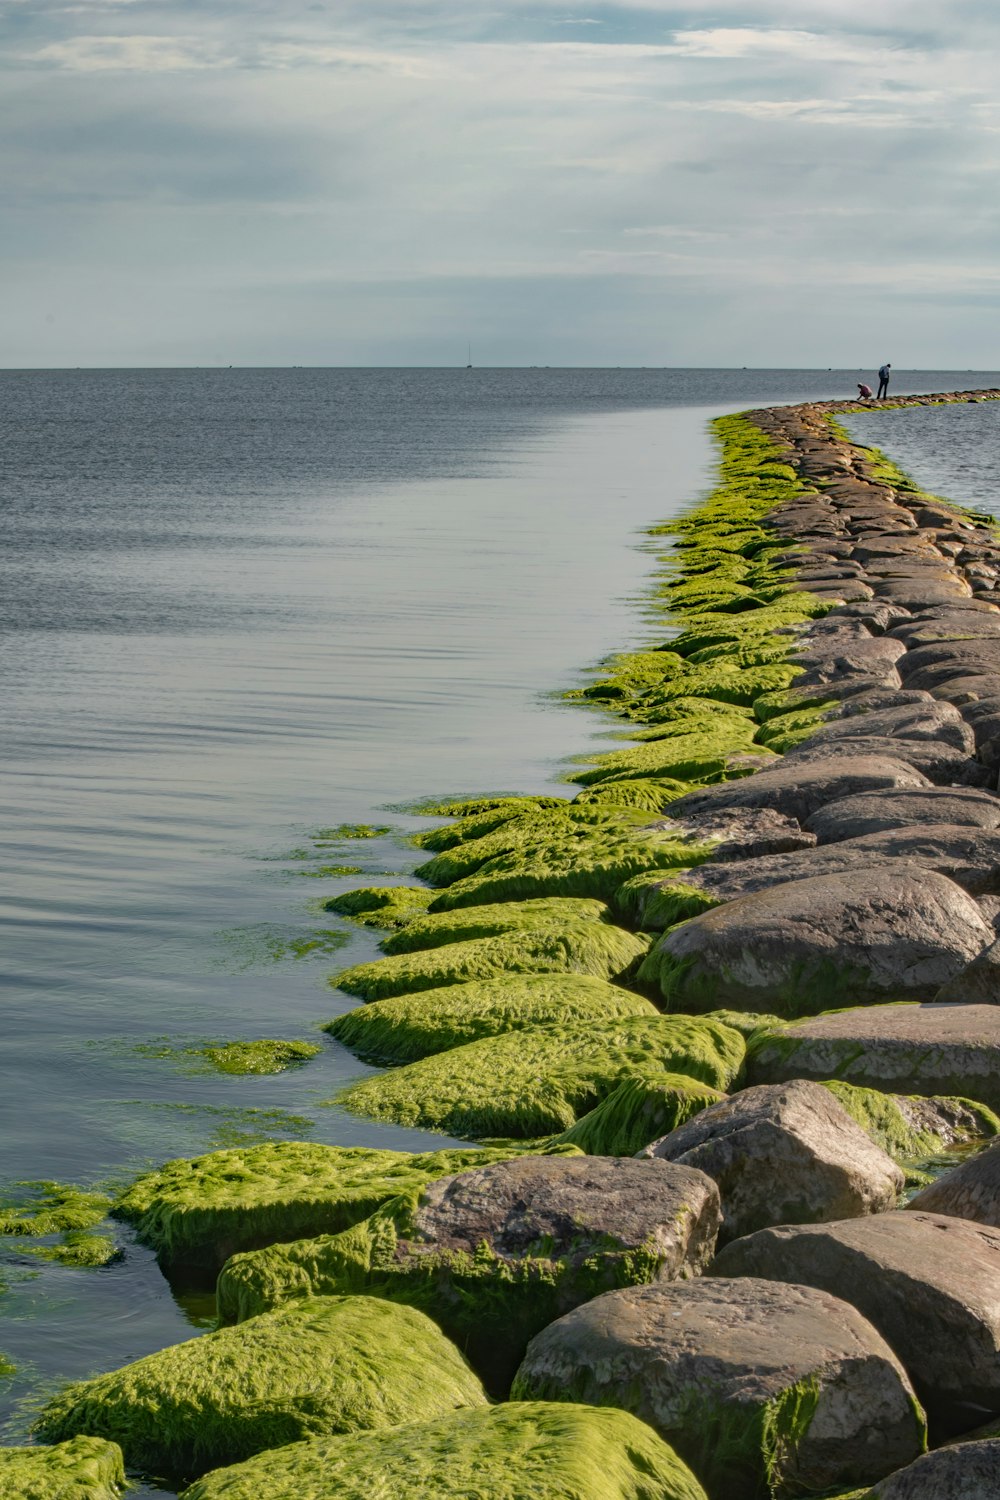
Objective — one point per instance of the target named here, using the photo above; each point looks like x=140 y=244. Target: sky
x=384 y=182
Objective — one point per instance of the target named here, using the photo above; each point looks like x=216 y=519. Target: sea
x=248 y=619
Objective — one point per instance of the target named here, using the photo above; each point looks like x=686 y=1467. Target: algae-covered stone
x=595 y=948
x=811 y=945
x=409 y=1027
x=197 y=1211
x=902 y=1049
x=527 y=1450
x=494 y=1254
x=324 y=1365
x=382 y=905
x=784 y=1154
x=265 y=1056
x=85 y=1468
x=764 y=1390
x=647 y=793
x=435 y=929
x=908 y=1126
x=639 y=1110
x=538 y=1082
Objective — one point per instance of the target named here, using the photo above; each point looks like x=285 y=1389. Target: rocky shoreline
x=707 y=1025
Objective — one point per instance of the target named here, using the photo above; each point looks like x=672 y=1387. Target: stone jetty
x=706 y=1024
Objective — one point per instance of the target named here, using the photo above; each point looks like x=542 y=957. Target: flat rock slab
x=799 y=790
x=785 y=1153
x=874 y=812
x=907 y=1049
x=815 y=944
x=968 y=856
x=939 y=763
x=746 y=832
x=929 y=1284
x=968 y=1471
x=969 y=1191
x=713 y=1367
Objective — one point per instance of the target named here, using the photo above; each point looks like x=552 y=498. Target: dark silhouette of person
x=883 y=381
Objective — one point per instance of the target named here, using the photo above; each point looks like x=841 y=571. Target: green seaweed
x=538 y=1082
x=44 y=1207
x=408 y=1027
x=267 y=943
x=320 y=1366
x=639 y=1111
x=85 y=1468
x=381 y=905
x=78 y=1248
x=434 y=930
x=264 y=1056
x=595 y=948
x=346 y=832
x=881 y=1117
x=517 y=1451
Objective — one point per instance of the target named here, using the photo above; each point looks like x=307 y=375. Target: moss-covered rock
x=197 y=1211
x=646 y=794
x=324 y=1365
x=638 y=1111
x=910 y=1128
x=655 y=901
x=42 y=1207
x=85 y=1468
x=595 y=948
x=493 y=1255
x=264 y=1056
x=534 y=1083
x=409 y=1027
x=518 y=1451
x=382 y=905
x=439 y=928
x=685 y=757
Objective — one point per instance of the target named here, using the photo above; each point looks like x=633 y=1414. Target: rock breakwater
x=726 y=1000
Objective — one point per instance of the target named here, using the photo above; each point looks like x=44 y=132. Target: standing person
x=883 y=381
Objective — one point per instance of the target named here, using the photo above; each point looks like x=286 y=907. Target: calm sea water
x=241 y=609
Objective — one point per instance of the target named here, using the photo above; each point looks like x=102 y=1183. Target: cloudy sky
x=746 y=182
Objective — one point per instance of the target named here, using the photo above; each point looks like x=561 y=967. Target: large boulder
x=967 y=1471
x=533 y=1083
x=876 y=812
x=800 y=790
x=510 y=1452
x=785 y=1153
x=84 y=1468
x=326 y=1365
x=815 y=944
x=968 y=1191
x=911 y=1049
x=763 y=1390
x=929 y=1284
x=940 y=763
x=495 y=1254
x=912 y=721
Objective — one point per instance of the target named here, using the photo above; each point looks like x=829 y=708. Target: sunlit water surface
x=241 y=609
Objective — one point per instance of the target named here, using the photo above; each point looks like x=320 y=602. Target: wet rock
x=968 y=1191
x=968 y=1471
x=798 y=791
x=968 y=856
x=875 y=812
x=509 y=1452
x=784 y=1154
x=494 y=1256
x=929 y=1284
x=815 y=944
x=718 y=1369
x=906 y=1049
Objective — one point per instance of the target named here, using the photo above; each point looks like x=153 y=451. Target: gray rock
x=811 y=945
x=917 y=593
x=878 y=616
x=906 y=1049
x=968 y=856
x=878 y=698
x=928 y=720
x=875 y=812
x=967 y=1471
x=961 y=691
x=932 y=666
x=832 y=658
x=969 y=1191
x=945 y=625
x=785 y=1153
x=979 y=982
x=800 y=790
x=941 y=764
x=744 y=832
x=713 y=1366
x=929 y=1284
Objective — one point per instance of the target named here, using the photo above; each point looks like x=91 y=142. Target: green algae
x=881 y=1117
x=654 y=901
x=470 y=806
x=647 y=794
x=80 y=1249
x=409 y=1027
x=231 y=1125
x=44 y=1207
x=197 y=1211
x=517 y=1451
x=595 y=948
x=320 y=1366
x=268 y=943
x=692 y=755
x=85 y=1468
x=381 y=905
x=432 y=931
x=264 y=1056
x=347 y=832
x=533 y=1083
x=639 y=1111
x=483 y=820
